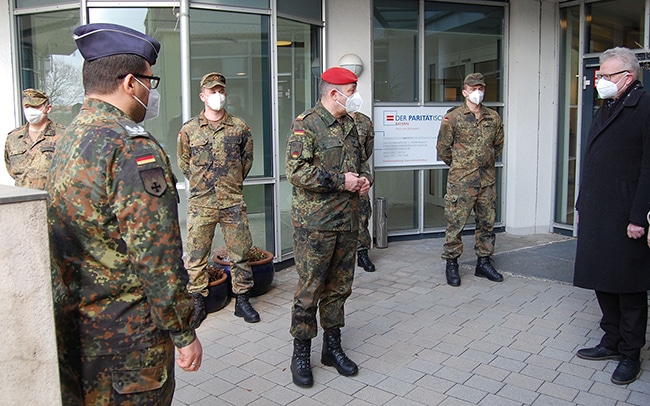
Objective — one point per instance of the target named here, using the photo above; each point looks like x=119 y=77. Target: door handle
x=585 y=82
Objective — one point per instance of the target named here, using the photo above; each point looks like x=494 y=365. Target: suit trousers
x=624 y=321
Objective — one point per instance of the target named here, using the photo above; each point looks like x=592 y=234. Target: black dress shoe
x=626 y=371
x=597 y=353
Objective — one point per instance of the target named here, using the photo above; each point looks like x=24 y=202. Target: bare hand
x=634 y=231
x=190 y=356
x=365 y=187
x=353 y=182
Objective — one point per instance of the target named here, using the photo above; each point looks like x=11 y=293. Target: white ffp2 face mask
x=607 y=89
x=353 y=103
x=476 y=96
x=217 y=101
x=152 y=107
x=33 y=115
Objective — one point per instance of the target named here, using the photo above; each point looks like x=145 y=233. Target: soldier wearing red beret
x=326 y=166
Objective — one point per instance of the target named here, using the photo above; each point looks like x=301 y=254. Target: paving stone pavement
x=418 y=341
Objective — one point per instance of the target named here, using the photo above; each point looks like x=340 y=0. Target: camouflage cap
x=213 y=79
x=474 y=79
x=33 y=97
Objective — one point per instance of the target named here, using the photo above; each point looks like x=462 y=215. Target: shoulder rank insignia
x=154 y=181
x=295 y=149
x=135 y=130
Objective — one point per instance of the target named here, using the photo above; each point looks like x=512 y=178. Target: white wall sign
x=406 y=136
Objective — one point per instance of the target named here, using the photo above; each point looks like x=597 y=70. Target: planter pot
x=218 y=294
x=263 y=273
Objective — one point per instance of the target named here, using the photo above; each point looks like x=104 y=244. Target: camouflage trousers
x=201 y=224
x=325 y=266
x=365 y=211
x=143 y=377
x=459 y=203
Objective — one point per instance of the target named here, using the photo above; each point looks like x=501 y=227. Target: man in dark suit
x=612 y=256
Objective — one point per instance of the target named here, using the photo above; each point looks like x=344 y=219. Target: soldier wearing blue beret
x=120 y=287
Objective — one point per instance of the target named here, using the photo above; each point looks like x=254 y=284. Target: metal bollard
x=381 y=222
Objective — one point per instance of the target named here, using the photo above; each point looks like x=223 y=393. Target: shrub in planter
x=261 y=263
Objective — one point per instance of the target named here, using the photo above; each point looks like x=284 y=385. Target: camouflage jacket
x=216 y=162
x=469 y=146
x=29 y=162
x=320 y=149
x=119 y=283
x=366 y=131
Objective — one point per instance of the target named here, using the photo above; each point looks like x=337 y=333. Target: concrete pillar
x=29 y=373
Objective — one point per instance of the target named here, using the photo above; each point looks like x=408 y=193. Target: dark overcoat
x=615 y=191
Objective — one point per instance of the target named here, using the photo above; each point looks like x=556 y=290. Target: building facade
x=539 y=58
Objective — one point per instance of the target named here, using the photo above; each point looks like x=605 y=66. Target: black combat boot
x=200 y=313
x=300 y=363
x=451 y=271
x=484 y=269
x=243 y=308
x=333 y=354
x=363 y=260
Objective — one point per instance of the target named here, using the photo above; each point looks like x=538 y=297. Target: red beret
x=339 y=76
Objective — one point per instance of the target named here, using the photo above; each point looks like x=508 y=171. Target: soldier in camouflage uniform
x=470 y=139
x=29 y=148
x=326 y=168
x=119 y=286
x=366 y=132
x=215 y=153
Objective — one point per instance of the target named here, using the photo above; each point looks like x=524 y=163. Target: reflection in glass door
x=298 y=55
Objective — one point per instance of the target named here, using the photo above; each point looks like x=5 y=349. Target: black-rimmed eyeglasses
x=154 y=81
x=608 y=76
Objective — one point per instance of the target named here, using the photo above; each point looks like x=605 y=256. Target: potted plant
x=261 y=263
x=218 y=289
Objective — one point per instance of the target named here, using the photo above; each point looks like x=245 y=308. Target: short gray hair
x=324 y=88
x=626 y=56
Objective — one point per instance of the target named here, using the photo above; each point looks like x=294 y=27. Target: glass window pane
x=298 y=74
x=402 y=198
x=299 y=68
x=395 y=45
x=461 y=39
x=286 y=227
x=236 y=45
x=567 y=115
x=37 y=3
x=49 y=60
x=614 y=23
x=435 y=184
x=311 y=9
x=262 y=4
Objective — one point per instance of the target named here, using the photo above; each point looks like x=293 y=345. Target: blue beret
x=339 y=76
x=99 y=40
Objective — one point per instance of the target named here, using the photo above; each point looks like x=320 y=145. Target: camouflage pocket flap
x=139 y=380
x=451 y=198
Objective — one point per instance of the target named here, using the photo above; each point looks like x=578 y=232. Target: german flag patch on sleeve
x=145 y=159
